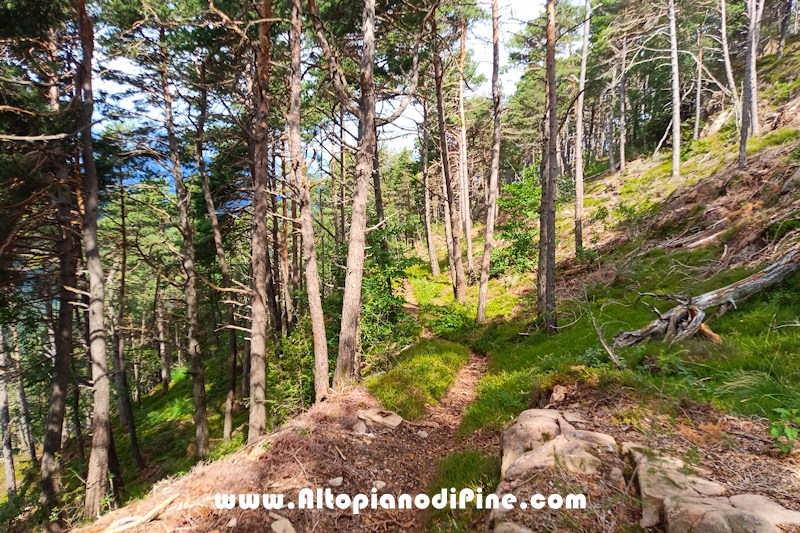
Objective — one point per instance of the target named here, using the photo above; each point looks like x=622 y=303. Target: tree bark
x=448 y=236
x=491 y=204
x=579 y=141
x=120 y=374
x=190 y=289
x=432 y=259
x=676 y=93
x=22 y=398
x=5 y=422
x=547 y=219
x=259 y=245
x=749 y=118
x=698 y=101
x=220 y=250
x=163 y=352
x=727 y=59
x=758 y=10
x=62 y=337
x=466 y=206
x=787 y=16
x=348 y=364
x=97 y=482
x=302 y=186
x=460 y=285
x=623 y=108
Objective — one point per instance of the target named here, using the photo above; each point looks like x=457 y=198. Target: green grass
x=773 y=138
x=420 y=378
x=465 y=469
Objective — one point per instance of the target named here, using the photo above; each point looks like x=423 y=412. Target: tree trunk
x=120 y=374
x=448 y=236
x=748 y=95
x=163 y=352
x=579 y=142
x=259 y=244
x=5 y=422
x=190 y=289
x=623 y=108
x=686 y=320
x=62 y=336
x=223 y=263
x=758 y=10
x=698 y=101
x=460 y=285
x=22 y=397
x=727 y=59
x=97 y=483
x=787 y=16
x=547 y=218
x=434 y=262
x=676 y=94
x=348 y=364
x=611 y=112
x=288 y=300
x=302 y=186
x=491 y=203
x=466 y=205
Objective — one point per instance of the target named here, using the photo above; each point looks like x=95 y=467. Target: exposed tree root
x=686 y=320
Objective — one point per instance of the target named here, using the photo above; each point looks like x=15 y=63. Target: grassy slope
x=753 y=371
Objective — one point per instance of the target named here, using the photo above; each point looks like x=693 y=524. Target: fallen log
x=686 y=319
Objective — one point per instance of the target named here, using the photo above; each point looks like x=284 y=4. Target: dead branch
x=686 y=320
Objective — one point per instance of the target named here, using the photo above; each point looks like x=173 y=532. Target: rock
x=599 y=439
x=511 y=527
x=382 y=417
x=283 y=526
x=712 y=515
x=559 y=393
x=423 y=434
x=360 y=428
x=777 y=512
x=531 y=431
x=617 y=477
x=570 y=454
x=791 y=183
x=664 y=478
x=378 y=484
x=232 y=522
x=276 y=516
x=336 y=482
x=573 y=417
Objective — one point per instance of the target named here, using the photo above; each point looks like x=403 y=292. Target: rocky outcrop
x=544 y=444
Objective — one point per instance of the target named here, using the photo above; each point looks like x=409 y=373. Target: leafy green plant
x=785 y=430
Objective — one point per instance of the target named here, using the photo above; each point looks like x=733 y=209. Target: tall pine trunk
x=259 y=241
x=676 y=93
x=97 y=482
x=302 y=186
x=348 y=363
x=227 y=424
x=5 y=421
x=723 y=30
x=466 y=206
x=579 y=131
x=491 y=203
x=189 y=268
x=426 y=192
x=698 y=100
x=547 y=216
x=120 y=374
x=460 y=285
x=785 y=19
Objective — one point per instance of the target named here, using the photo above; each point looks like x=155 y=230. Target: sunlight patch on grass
x=421 y=377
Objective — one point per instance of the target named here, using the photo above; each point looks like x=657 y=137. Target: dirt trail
x=312 y=451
